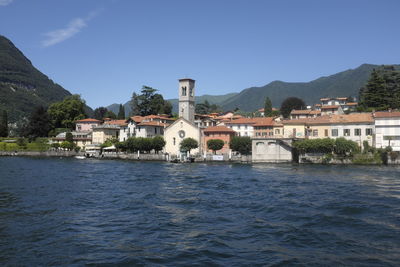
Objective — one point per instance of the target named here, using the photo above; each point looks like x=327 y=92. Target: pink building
x=86 y=125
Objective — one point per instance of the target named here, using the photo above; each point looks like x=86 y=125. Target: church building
x=183 y=127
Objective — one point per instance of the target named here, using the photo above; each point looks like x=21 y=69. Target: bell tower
x=186 y=99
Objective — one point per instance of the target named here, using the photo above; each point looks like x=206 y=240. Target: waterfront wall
x=49 y=153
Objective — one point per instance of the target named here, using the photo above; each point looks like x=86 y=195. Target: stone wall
x=50 y=153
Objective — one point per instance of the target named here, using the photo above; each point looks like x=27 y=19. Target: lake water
x=103 y=212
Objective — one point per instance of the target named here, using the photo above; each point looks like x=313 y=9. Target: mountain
x=212 y=99
x=22 y=86
x=342 y=84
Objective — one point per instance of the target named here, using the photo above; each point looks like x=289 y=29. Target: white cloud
x=74 y=27
x=5 y=2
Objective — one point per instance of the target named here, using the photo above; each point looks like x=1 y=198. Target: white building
x=243 y=126
x=183 y=127
x=387 y=127
x=357 y=127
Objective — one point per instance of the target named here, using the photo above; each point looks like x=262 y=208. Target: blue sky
x=106 y=49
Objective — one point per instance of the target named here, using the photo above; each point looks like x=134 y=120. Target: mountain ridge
x=22 y=86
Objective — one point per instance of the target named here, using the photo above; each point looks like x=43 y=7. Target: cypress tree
x=267 y=107
x=121 y=112
x=4 y=124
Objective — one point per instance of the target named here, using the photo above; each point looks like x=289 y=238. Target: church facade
x=184 y=126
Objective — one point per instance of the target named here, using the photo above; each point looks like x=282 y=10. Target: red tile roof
x=305 y=112
x=116 y=122
x=89 y=120
x=220 y=129
x=334 y=119
x=152 y=123
x=387 y=114
x=268 y=121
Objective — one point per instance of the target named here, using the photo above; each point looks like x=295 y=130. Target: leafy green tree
x=241 y=144
x=63 y=114
x=135 y=108
x=67 y=145
x=206 y=108
x=291 y=103
x=110 y=114
x=267 y=107
x=69 y=137
x=4 y=124
x=343 y=146
x=131 y=144
x=158 y=143
x=188 y=144
x=100 y=113
x=149 y=103
x=39 y=124
x=121 y=112
x=382 y=90
x=215 y=144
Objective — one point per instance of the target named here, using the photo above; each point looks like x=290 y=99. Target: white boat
x=80 y=157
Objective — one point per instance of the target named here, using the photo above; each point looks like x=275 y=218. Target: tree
x=267 y=107
x=158 y=143
x=291 y=103
x=4 y=124
x=67 y=145
x=149 y=103
x=69 y=137
x=63 y=114
x=382 y=90
x=206 y=108
x=39 y=124
x=110 y=114
x=188 y=144
x=121 y=112
x=100 y=113
x=215 y=144
x=241 y=144
x=135 y=105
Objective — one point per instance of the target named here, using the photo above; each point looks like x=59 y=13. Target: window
x=277 y=131
x=183 y=90
x=335 y=132
x=315 y=132
x=326 y=132
x=368 y=131
x=174 y=140
x=346 y=132
x=245 y=127
x=79 y=127
x=357 y=132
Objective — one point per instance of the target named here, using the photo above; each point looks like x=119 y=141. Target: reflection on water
x=76 y=212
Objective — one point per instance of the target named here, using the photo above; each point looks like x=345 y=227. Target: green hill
x=342 y=84
x=22 y=86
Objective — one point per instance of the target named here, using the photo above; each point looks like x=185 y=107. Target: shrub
x=344 y=147
x=158 y=143
x=215 y=144
x=188 y=144
x=241 y=144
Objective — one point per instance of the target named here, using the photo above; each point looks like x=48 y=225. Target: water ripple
x=99 y=213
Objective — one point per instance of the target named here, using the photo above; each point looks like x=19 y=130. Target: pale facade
x=86 y=125
x=271 y=150
x=357 y=132
x=104 y=132
x=387 y=127
x=176 y=132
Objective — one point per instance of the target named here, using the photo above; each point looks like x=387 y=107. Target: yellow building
x=104 y=132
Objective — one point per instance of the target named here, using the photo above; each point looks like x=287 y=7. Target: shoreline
x=163 y=158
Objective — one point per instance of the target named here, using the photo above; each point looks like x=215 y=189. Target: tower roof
x=186 y=79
